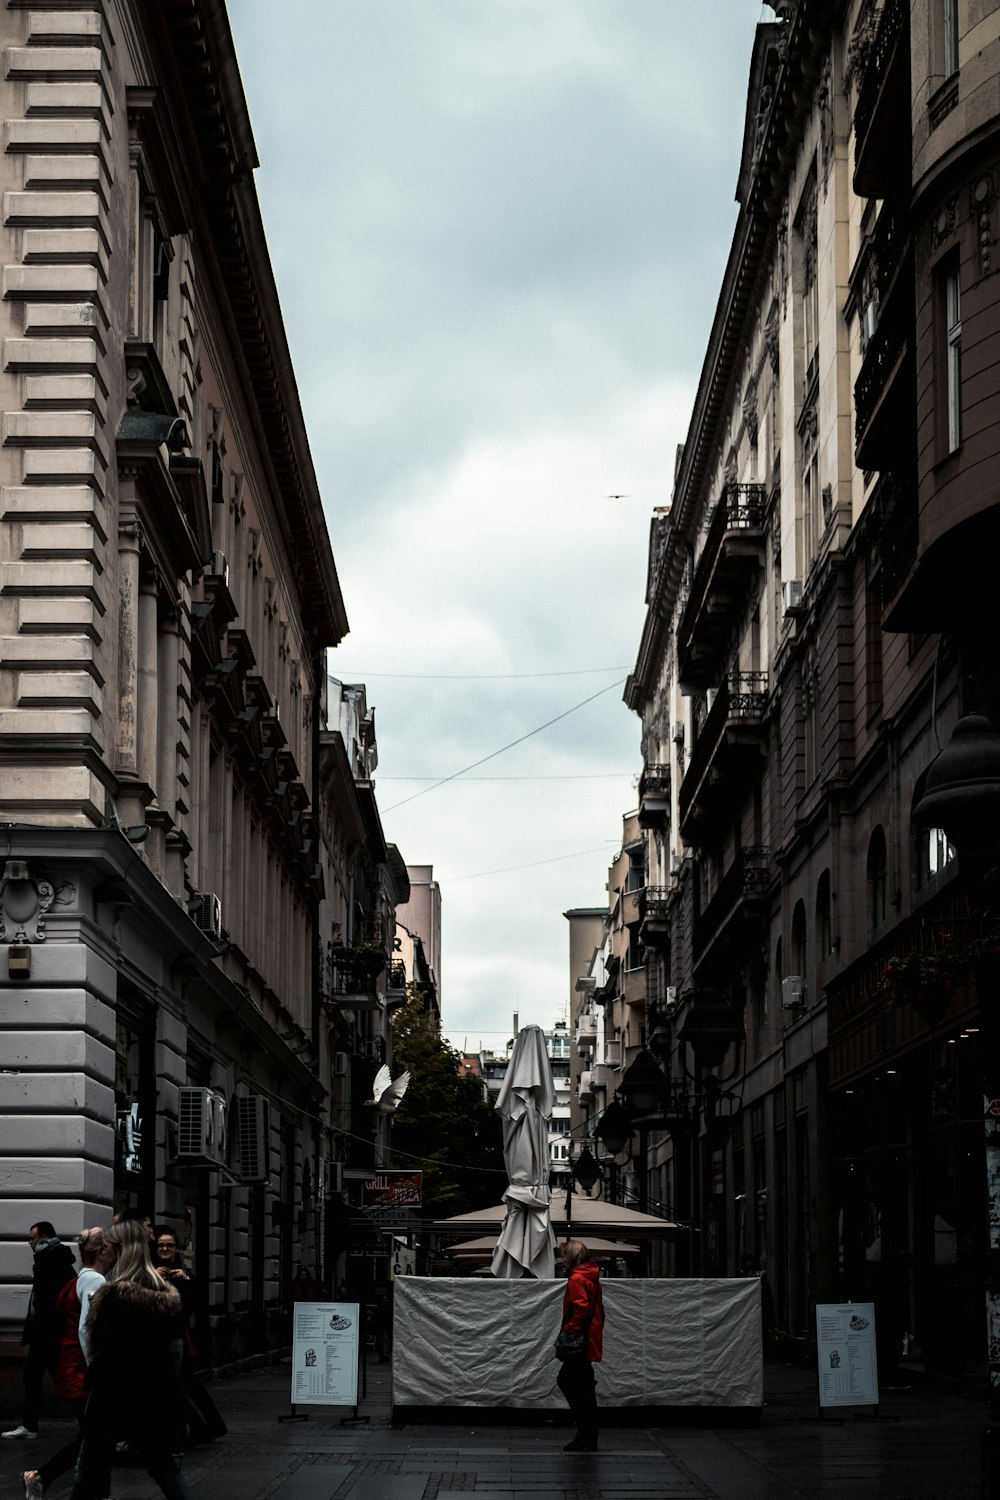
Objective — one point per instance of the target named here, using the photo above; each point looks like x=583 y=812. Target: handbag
x=573 y=1345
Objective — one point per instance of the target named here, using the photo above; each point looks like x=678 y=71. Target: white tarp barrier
x=459 y=1342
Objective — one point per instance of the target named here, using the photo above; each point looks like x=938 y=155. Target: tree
x=444 y=1123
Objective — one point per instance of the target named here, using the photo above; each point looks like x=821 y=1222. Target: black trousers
x=41 y=1357
x=576 y=1381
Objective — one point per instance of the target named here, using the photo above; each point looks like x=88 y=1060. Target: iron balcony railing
x=893 y=15
x=885 y=348
x=741 y=699
x=740 y=509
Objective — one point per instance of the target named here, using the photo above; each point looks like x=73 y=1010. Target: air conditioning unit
x=341 y=1064
x=791 y=596
x=253 y=1129
x=219 y=568
x=201 y=1126
x=678 y=732
x=670 y=1000
x=205 y=911
x=674 y=865
x=273 y=714
x=793 y=993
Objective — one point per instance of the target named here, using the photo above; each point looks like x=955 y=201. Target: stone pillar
x=126 y=737
x=148 y=707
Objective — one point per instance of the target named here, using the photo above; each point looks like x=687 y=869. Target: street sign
x=845 y=1349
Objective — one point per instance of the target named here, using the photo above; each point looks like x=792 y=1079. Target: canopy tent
x=482 y=1248
x=589 y=1216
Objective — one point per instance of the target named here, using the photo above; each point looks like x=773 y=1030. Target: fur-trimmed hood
x=133 y=1297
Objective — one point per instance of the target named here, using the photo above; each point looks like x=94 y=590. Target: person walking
x=72 y=1306
x=203 y=1419
x=134 y=1392
x=52 y=1266
x=582 y=1314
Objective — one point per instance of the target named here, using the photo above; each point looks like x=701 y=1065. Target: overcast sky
x=498 y=229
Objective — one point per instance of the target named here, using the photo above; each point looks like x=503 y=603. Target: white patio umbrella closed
x=526 y=1246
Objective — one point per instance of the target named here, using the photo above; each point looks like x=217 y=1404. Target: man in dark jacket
x=53 y=1267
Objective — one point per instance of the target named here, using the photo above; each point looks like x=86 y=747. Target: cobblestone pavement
x=923 y=1446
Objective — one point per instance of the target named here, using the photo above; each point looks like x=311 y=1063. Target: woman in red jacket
x=71 y=1369
x=583 y=1311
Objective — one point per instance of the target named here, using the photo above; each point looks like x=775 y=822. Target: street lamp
x=585 y=1170
x=962 y=797
x=614 y=1128
x=643 y=1086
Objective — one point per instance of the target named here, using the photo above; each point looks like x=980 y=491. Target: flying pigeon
x=386 y=1094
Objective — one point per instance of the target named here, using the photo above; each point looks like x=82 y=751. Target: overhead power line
x=572 y=776
x=342 y=673
x=520 y=741
x=555 y=859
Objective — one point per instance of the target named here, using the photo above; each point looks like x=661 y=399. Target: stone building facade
x=170 y=875
x=817 y=621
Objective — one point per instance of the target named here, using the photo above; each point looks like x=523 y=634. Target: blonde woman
x=582 y=1314
x=133 y=1385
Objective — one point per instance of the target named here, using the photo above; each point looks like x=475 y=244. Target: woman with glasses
x=203 y=1418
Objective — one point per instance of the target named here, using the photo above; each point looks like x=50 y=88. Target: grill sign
x=387 y=1191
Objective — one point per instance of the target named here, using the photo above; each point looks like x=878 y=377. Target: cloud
x=498 y=230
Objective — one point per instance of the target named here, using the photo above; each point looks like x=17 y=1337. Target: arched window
x=878 y=874
x=824 y=916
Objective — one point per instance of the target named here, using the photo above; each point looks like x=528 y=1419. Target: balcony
x=654 y=797
x=733 y=551
x=738 y=906
x=586 y=1088
x=885 y=397
x=727 y=756
x=355 y=971
x=882 y=116
x=586 y=1031
x=654 y=926
x=395 y=984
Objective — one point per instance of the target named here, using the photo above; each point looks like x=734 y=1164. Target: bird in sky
x=386 y=1094
x=616 y=497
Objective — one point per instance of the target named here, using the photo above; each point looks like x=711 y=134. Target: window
x=824 y=916
x=940 y=851
x=949 y=33
x=877 y=880
x=873 y=648
x=953 y=337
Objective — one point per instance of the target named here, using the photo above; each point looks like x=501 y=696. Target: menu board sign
x=845 y=1342
x=325 y=1353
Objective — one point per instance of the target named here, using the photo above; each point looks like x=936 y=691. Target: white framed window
x=953 y=334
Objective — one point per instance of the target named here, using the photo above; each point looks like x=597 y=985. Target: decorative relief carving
x=824 y=99
x=827 y=495
x=237 y=505
x=270 y=599
x=859 y=47
x=782 y=255
x=944 y=223
x=750 y=412
x=25 y=902
x=254 y=559
x=771 y=339
x=982 y=196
